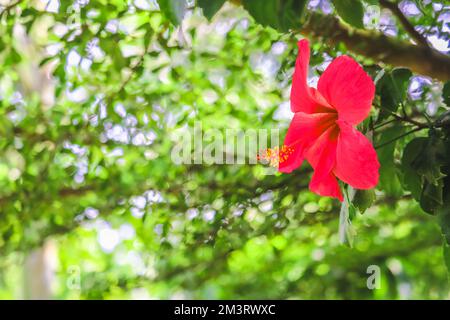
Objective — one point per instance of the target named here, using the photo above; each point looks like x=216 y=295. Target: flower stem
x=399 y=137
x=383 y=124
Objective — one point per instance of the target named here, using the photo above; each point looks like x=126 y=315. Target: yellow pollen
x=275 y=156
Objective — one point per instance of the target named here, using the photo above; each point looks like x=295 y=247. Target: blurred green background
x=92 y=205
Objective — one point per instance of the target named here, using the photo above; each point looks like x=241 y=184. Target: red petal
x=322 y=157
x=348 y=89
x=294 y=160
x=303 y=131
x=327 y=187
x=304 y=98
x=356 y=159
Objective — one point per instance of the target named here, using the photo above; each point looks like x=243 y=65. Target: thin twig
x=404 y=118
x=397 y=138
x=383 y=124
x=10 y=7
x=372 y=44
x=409 y=120
x=409 y=28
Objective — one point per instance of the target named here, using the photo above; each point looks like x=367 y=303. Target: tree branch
x=9 y=7
x=393 y=7
x=379 y=47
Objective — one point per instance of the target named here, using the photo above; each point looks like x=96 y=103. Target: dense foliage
x=93 y=93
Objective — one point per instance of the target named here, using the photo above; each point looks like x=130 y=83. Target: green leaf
x=421 y=164
x=389 y=173
x=351 y=211
x=444 y=211
x=431 y=197
x=291 y=13
x=210 y=7
x=446 y=255
x=174 y=10
x=279 y=14
x=430 y=159
x=363 y=199
x=400 y=77
x=392 y=88
x=351 y=11
x=412 y=180
x=347 y=213
x=446 y=93
x=444 y=121
x=111 y=47
x=444 y=221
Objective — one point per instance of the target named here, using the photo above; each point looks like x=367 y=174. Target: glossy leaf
x=351 y=11
x=429 y=160
x=431 y=197
x=174 y=10
x=412 y=180
x=392 y=88
x=279 y=14
x=446 y=93
x=210 y=7
x=364 y=199
x=389 y=172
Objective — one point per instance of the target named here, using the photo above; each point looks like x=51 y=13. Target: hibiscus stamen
x=275 y=156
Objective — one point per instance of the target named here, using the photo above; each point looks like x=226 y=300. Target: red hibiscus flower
x=323 y=128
